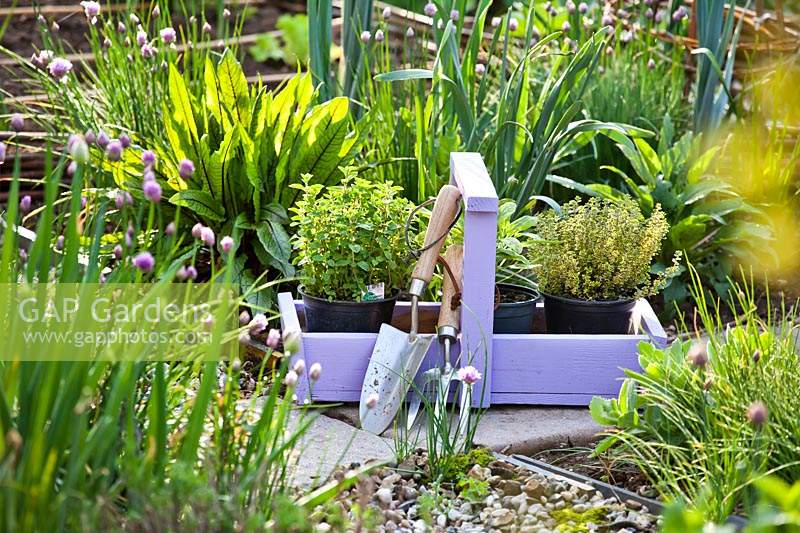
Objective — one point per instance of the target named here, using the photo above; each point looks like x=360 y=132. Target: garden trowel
x=398 y=355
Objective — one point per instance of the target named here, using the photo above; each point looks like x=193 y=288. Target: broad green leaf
x=275 y=240
x=218 y=177
x=321 y=139
x=700 y=166
x=649 y=156
x=688 y=231
x=233 y=89
x=201 y=203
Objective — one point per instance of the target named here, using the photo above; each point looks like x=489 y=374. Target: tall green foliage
x=249 y=145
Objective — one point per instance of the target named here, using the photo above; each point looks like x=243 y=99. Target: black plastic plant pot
x=515 y=316
x=346 y=317
x=570 y=315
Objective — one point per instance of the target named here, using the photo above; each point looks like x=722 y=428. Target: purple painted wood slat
x=480 y=236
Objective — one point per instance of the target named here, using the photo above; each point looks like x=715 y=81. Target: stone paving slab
x=330 y=443
x=515 y=429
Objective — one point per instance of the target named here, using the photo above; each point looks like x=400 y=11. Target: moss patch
x=460 y=464
x=579 y=521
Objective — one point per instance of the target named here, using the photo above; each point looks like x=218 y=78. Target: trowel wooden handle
x=444 y=210
x=454 y=256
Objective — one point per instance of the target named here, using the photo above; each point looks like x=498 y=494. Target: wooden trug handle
x=444 y=210
x=454 y=256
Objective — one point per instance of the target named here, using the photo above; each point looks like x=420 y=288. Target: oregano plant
x=350 y=237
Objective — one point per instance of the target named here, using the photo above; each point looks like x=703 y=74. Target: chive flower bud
x=513 y=24
x=480 y=68
x=207 y=236
x=185 y=169
x=156 y=12
x=757 y=414
x=148 y=158
x=291 y=378
x=17 y=122
x=379 y=36
x=315 y=371
x=102 y=140
x=118 y=251
x=244 y=317
x=454 y=15
x=169 y=231
x=583 y=8
x=387 y=12
x=299 y=366
x=114 y=150
x=197 y=230
x=226 y=244
x=91 y=9
x=365 y=37
x=206 y=27
x=152 y=191
x=430 y=9
x=258 y=324
x=651 y=64
x=25 y=204
x=410 y=32
x=144 y=261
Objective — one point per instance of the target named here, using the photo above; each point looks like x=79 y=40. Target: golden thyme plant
x=601 y=250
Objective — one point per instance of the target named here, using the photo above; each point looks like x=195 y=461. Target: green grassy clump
x=571 y=521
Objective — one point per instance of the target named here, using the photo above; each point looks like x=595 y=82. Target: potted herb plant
x=595 y=261
x=350 y=248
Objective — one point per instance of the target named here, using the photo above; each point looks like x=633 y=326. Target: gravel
x=516 y=499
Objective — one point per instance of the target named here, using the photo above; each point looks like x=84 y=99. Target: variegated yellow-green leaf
x=201 y=203
x=233 y=89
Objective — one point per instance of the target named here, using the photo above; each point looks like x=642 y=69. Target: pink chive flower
x=148 y=158
x=152 y=191
x=583 y=7
x=430 y=9
x=118 y=252
x=72 y=168
x=181 y=274
x=168 y=35
x=197 y=230
x=206 y=27
x=513 y=24
x=60 y=243
x=25 y=204
x=480 y=68
x=121 y=27
x=607 y=20
x=387 y=12
x=469 y=375
x=191 y=272
x=2 y=153
x=149 y=175
x=169 y=231
x=156 y=12
x=207 y=236
x=379 y=36
x=757 y=414
x=226 y=244
x=144 y=261
x=102 y=140
x=125 y=140
x=315 y=371
x=114 y=150
x=651 y=64
x=566 y=27
x=273 y=338
x=148 y=51
x=186 y=168
x=244 y=317
x=90 y=137
x=372 y=400
x=291 y=378
x=365 y=37
x=60 y=67
x=17 y=122
x=258 y=324
x=454 y=15
x=141 y=38
x=571 y=6
x=91 y=9
x=119 y=199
